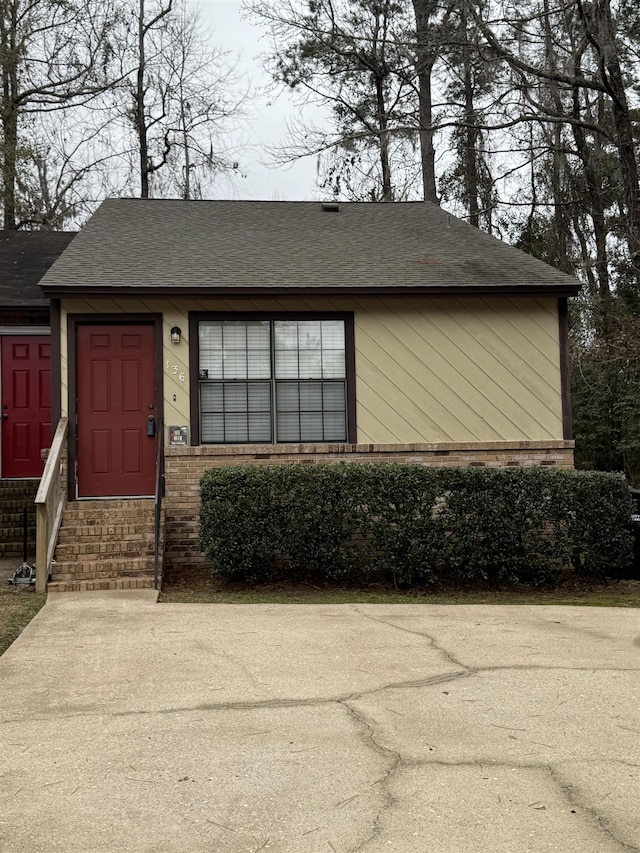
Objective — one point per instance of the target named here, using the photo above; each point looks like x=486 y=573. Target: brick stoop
x=87 y=586
x=105 y=544
x=15 y=495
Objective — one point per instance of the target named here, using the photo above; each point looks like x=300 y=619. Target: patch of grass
x=18 y=606
x=200 y=589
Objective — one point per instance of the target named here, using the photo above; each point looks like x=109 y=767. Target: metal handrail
x=50 y=501
x=157 y=504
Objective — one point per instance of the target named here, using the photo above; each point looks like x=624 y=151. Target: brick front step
x=15 y=518
x=132 y=530
x=15 y=532
x=102 y=569
x=144 y=582
x=97 y=548
x=99 y=512
x=19 y=487
x=103 y=543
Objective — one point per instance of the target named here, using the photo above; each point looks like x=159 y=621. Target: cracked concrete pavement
x=131 y=726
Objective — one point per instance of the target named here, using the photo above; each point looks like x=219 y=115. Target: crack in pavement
x=432 y=641
x=236 y=661
x=569 y=792
x=456 y=662
x=258 y=704
x=315 y=701
x=394 y=759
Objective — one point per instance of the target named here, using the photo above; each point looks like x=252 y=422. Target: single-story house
x=199 y=333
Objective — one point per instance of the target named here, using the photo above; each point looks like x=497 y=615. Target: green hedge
x=418 y=525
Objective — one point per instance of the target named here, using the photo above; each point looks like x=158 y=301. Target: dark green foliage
x=419 y=525
x=602 y=536
x=509 y=525
x=605 y=394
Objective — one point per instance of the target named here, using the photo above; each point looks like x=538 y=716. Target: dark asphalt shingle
x=25 y=256
x=196 y=246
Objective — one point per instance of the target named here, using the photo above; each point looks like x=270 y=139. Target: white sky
x=267 y=122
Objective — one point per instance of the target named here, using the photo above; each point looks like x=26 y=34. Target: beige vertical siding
x=427 y=370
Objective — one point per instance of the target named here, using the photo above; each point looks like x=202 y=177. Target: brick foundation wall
x=184 y=466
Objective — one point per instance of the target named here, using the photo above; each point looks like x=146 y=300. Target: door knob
x=5 y=416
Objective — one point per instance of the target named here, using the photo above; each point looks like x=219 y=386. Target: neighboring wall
x=427 y=370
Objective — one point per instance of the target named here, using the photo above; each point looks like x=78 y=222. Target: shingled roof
x=25 y=256
x=254 y=247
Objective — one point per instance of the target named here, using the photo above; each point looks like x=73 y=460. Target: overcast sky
x=269 y=122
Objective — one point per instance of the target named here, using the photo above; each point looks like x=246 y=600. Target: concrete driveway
x=130 y=726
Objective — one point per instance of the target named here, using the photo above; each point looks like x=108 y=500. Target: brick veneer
x=184 y=466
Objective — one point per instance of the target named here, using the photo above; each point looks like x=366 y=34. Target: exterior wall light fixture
x=176 y=331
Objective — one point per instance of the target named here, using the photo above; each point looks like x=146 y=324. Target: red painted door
x=116 y=399
x=26 y=404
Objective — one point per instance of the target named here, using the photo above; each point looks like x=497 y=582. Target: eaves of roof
x=168 y=292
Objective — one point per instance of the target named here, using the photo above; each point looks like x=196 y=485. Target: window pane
x=321 y=413
x=285 y=334
x=333 y=396
x=335 y=427
x=288 y=426
x=235 y=397
x=211 y=428
x=309 y=334
x=259 y=397
x=260 y=427
x=234 y=363
x=310 y=362
x=287 y=397
x=287 y=364
x=333 y=334
x=211 y=397
x=258 y=335
x=310 y=396
x=259 y=364
x=234 y=334
x=311 y=426
x=235 y=412
x=236 y=427
x=234 y=349
x=210 y=338
x=210 y=334
x=333 y=364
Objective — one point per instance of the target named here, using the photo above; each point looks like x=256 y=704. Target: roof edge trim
x=53 y=291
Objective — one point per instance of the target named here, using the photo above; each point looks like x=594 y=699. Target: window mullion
x=274 y=413
x=298 y=382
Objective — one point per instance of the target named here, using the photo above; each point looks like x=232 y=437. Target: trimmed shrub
x=602 y=537
x=417 y=524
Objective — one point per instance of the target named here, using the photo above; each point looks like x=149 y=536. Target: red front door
x=116 y=399
x=26 y=404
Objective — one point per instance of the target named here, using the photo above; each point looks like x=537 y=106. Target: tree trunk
x=425 y=61
x=558 y=167
x=387 y=189
x=604 y=41
x=471 y=131
x=141 y=123
x=9 y=112
x=9 y=149
x=596 y=212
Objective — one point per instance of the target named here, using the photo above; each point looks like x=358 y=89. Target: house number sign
x=178 y=436
x=173 y=370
